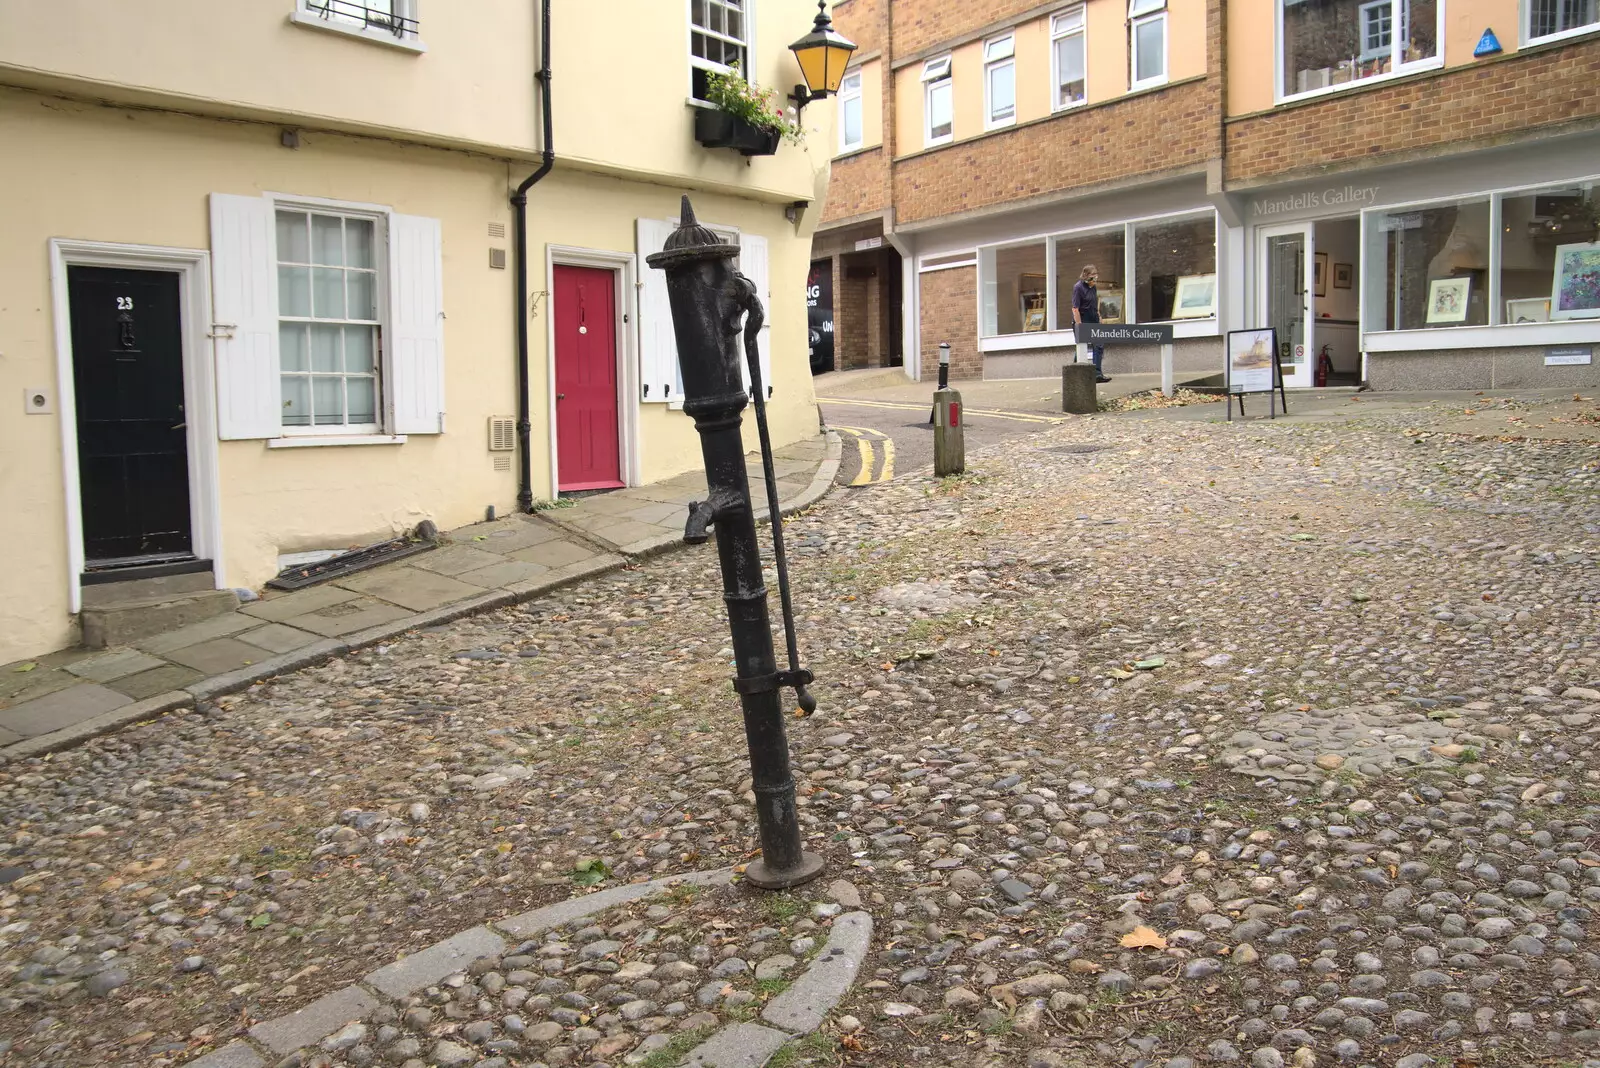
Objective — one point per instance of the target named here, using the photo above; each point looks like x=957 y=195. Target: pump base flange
x=758 y=874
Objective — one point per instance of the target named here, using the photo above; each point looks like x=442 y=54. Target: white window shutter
x=660 y=379
x=244 y=307
x=753 y=264
x=416 y=325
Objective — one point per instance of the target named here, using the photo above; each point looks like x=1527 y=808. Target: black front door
x=133 y=457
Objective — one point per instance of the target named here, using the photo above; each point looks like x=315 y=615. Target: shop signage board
x=1124 y=333
x=1253 y=367
x=1569 y=356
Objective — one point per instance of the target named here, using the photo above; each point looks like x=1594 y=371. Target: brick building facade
x=1400 y=211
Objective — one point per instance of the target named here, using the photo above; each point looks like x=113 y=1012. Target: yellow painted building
x=259 y=262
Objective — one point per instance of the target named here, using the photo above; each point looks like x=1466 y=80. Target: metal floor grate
x=298 y=578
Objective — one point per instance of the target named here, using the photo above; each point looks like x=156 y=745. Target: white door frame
x=1303 y=377
x=620 y=264
x=193 y=268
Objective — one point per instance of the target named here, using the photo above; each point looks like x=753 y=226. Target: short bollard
x=949 y=439
x=1078 y=394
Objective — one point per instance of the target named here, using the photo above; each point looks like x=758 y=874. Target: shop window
x=1328 y=43
x=1538 y=230
x=937 y=108
x=1147 y=43
x=1559 y=18
x=1175 y=265
x=1015 y=296
x=851 y=135
x=1068 y=58
x=1433 y=265
x=1000 y=81
x=1106 y=249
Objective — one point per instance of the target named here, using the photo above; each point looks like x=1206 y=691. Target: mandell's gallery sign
x=1337 y=196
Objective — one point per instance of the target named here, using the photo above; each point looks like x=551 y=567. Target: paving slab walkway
x=64 y=697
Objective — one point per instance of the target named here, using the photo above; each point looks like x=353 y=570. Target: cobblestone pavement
x=1146 y=742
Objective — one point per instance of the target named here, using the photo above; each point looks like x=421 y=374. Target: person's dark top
x=1086 y=299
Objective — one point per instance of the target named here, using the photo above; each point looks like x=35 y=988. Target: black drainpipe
x=519 y=202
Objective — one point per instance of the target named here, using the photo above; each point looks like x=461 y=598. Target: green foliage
x=759 y=107
x=589 y=872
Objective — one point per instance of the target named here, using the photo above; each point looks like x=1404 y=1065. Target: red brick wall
x=920 y=24
x=858 y=185
x=1169 y=130
x=950 y=313
x=863 y=21
x=849 y=316
x=1495 y=101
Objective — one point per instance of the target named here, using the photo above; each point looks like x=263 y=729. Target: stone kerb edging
x=796 y=1012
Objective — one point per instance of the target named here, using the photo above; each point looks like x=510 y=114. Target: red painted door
x=587 y=443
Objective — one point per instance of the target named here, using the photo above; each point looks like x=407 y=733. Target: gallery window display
x=1014 y=294
x=1539 y=247
x=1106 y=249
x=1176 y=259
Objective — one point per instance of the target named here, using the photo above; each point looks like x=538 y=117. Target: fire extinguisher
x=1324 y=366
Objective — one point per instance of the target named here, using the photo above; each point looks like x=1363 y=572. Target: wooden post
x=949 y=437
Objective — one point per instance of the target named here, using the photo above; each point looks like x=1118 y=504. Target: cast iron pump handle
x=703 y=513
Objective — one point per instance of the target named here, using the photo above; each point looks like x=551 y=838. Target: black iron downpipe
x=519 y=205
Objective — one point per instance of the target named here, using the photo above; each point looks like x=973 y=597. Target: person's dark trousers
x=1097 y=353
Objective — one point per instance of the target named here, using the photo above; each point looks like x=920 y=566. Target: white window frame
x=850 y=93
x=747 y=10
x=1363 y=17
x=1057 y=338
x=1560 y=35
x=380 y=218
x=1144 y=13
x=936 y=74
x=1061 y=28
x=1496 y=333
x=337 y=16
x=999 y=53
x=1399 y=30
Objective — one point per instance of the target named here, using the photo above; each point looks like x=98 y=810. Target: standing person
x=1086 y=309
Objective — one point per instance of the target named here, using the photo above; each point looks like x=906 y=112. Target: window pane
x=1165 y=253
x=1557 y=16
x=735 y=25
x=1002 y=92
x=939 y=110
x=697 y=12
x=1335 y=42
x=294 y=291
x=850 y=116
x=1070 y=20
x=1148 y=47
x=325 y=347
x=359 y=243
x=1141 y=7
x=327 y=240
x=1070 y=70
x=1105 y=251
x=363 y=295
x=327 y=400
x=1436 y=266
x=359 y=357
x=328 y=286
x=362 y=394
x=292 y=243
x=292 y=347
x=296 y=400
x=1014 y=295
x=1535 y=230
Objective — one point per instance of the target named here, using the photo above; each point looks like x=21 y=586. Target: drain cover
x=1077 y=448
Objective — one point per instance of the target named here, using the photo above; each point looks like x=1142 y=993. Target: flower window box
x=718 y=129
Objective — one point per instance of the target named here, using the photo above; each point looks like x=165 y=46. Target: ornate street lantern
x=823 y=54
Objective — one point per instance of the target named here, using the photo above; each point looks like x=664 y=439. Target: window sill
x=1001 y=124
x=1421 y=66
x=1425 y=339
x=382 y=38
x=1148 y=83
x=309 y=441
x=936 y=142
x=1562 y=36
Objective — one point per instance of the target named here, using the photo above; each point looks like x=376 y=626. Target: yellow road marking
x=992 y=413
x=866 y=438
